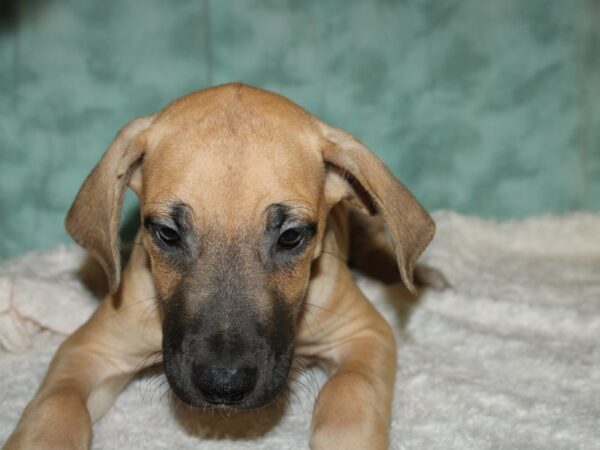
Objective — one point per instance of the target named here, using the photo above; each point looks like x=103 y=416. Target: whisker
x=313 y=305
x=137 y=302
x=300 y=375
x=167 y=391
x=156 y=354
x=150 y=311
x=338 y=257
x=146 y=384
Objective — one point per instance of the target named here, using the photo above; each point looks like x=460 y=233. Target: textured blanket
x=507 y=358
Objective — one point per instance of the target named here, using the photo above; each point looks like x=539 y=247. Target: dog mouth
x=241 y=386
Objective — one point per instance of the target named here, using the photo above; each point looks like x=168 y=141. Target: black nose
x=227 y=385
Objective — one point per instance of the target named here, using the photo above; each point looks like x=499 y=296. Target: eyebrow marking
x=280 y=213
x=178 y=213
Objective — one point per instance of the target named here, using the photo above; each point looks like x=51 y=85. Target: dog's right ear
x=93 y=219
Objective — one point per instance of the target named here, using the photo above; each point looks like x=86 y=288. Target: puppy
x=251 y=208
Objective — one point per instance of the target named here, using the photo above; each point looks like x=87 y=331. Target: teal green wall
x=488 y=107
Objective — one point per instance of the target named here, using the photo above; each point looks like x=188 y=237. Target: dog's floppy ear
x=370 y=183
x=93 y=219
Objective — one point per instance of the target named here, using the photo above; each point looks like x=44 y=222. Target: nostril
x=227 y=385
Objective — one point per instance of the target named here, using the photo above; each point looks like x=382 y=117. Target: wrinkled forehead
x=230 y=162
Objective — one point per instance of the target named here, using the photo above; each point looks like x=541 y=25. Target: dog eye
x=168 y=235
x=290 y=239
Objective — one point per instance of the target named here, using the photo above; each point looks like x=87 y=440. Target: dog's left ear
x=369 y=183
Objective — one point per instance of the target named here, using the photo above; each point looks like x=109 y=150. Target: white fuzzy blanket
x=508 y=358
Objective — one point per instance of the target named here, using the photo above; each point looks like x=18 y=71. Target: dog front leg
x=353 y=409
x=92 y=366
x=87 y=373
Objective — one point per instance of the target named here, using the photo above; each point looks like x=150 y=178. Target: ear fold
x=409 y=228
x=93 y=219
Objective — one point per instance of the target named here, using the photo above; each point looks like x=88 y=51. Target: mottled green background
x=489 y=107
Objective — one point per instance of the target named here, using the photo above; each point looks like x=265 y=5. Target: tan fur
x=229 y=152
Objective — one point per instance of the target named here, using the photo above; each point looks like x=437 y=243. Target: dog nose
x=226 y=385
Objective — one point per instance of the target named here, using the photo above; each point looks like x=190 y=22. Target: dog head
x=235 y=185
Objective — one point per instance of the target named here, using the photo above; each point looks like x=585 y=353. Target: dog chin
x=252 y=403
